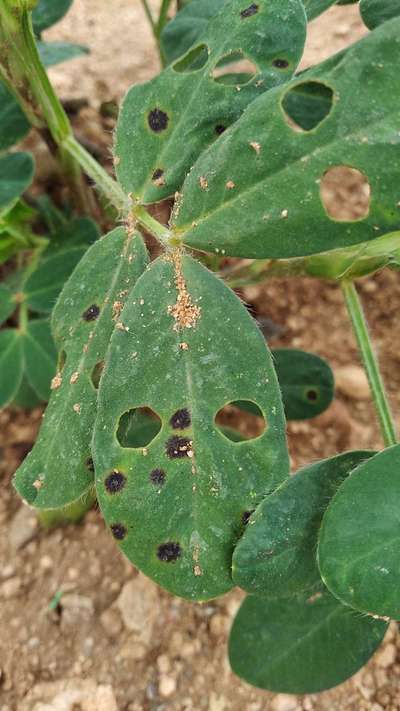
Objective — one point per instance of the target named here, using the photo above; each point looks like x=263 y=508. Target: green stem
x=370 y=361
x=163 y=17
x=149 y=15
x=155 y=228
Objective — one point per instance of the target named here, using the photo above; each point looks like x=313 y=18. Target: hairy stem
x=370 y=362
x=155 y=228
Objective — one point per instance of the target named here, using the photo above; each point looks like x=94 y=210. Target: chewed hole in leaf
x=96 y=373
x=157 y=120
x=193 y=60
x=115 y=482
x=243 y=416
x=249 y=11
x=234 y=69
x=345 y=194
x=91 y=313
x=169 y=552
x=138 y=427
x=306 y=105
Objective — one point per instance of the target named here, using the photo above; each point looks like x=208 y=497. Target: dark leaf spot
x=91 y=313
x=89 y=464
x=180 y=420
x=280 y=63
x=220 y=129
x=169 y=552
x=118 y=530
x=158 y=120
x=114 y=482
x=246 y=515
x=158 y=173
x=157 y=477
x=249 y=11
x=312 y=395
x=178 y=447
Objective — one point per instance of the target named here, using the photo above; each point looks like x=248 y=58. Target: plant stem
x=379 y=396
x=155 y=228
x=149 y=15
x=163 y=17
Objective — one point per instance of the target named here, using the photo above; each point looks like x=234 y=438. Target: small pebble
x=167 y=686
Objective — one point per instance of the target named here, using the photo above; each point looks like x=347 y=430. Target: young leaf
x=358 y=550
x=7 y=303
x=16 y=174
x=374 y=12
x=276 y=555
x=59 y=469
x=48 y=12
x=164 y=124
x=178 y=504
x=306 y=382
x=302 y=644
x=13 y=124
x=11 y=364
x=280 y=189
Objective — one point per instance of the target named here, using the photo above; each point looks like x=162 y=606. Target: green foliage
x=165 y=123
x=13 y=124
x=59 y=471
x=48 y=12
x=191 y=488
x=374 y=12
x=306 y=382
x=301 y=644
x=16 y=174
x=358 y=546
x=52 y=53
x=276 y=555
x=281 y=189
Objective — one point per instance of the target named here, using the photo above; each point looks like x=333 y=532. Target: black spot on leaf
x=280 y=63
x=249 y=11
x=157 y=477
x=169 y=552
x=246 y=515
x=89 y=464
x=178 y=447
x=220 y=129
x=181 y=419
x=312 y=395
x=91 y=313
x=158 y=120
x=114 y=482
x=118 y=530
x=158 y=173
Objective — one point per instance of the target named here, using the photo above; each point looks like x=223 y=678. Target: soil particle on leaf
x=184 y=311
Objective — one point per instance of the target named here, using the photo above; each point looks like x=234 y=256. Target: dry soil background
x=115 y=641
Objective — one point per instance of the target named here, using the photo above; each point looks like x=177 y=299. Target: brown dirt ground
x=177 y=660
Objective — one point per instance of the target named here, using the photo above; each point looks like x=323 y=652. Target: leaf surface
x=374 y=12
x=263 y=176
x=359 y=542
x=59 y=470
x=164 y=124
x=13 y=124
x=178 y=505
x=16 y=173
x=306 y=382
x=11 y=364
x=302 y=644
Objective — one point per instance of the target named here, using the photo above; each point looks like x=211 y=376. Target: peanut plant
x=140 y=355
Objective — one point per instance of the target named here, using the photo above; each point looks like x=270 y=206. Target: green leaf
x=164 y=124
x=276 y=555
x=52 y=53
x=317 y=7
x=7 y=303
x=359 y=551
x=59 y=470
x=266 y=203
x=48 y=12
x=13 y=124
x=67 y=246
x=11 y=364
x=178 y=505
x=306 y=382
x=374 y=12
x=16 y=174
x=40 y=357
x=301 y=645
x=26 y=396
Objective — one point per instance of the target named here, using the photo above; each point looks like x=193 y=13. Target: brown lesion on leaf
x=184 y=311
x=116 y=309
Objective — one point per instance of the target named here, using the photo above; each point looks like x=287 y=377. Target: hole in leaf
x=118 y=530
x=115 y=482
x=243 y=416
x=179 y=447
x=169 y=552
x=96 y=373
x=345 y=194
x=91 y=313
x=307 y=105
x=249 y=11
x=234 y=69
x=158 y=477
x=193 y=60
x=138 y=427
x=181 y=419
x=157 y=120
